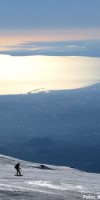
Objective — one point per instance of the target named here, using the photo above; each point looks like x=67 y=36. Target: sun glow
x=23 y=74
x=23 y=36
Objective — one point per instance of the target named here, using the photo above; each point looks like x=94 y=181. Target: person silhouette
x=17 y=167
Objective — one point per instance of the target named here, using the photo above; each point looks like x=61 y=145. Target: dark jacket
x=17 y=166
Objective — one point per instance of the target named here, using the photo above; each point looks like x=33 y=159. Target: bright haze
x=50 y=44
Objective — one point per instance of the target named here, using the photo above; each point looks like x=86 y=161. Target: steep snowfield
x=57 y=183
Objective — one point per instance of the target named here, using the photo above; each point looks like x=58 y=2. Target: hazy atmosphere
x=49 y=99
x=48 y=44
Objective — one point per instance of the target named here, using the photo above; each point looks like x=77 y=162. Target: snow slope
x=56 y=183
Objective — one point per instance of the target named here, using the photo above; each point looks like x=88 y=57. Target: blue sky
x=31 y=21
x=49 y=14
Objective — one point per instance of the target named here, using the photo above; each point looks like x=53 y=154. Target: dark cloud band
x=70 y=48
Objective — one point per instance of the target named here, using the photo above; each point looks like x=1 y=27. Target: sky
x=23 y=23
x=49 y=28
x=49 y=14
x=50 y=20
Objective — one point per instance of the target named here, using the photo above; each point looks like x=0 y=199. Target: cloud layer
x=65 y=48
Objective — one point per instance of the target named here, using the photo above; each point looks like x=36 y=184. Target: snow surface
x=56 y=183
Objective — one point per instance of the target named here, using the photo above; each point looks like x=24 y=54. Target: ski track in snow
x=61 y=183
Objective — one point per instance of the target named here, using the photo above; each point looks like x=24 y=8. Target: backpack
x=16 y=166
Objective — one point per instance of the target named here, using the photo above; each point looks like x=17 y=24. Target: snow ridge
x=52 y=183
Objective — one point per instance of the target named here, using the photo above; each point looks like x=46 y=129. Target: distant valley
x=59 y=127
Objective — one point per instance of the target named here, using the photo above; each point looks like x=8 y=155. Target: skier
x=17 y=167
